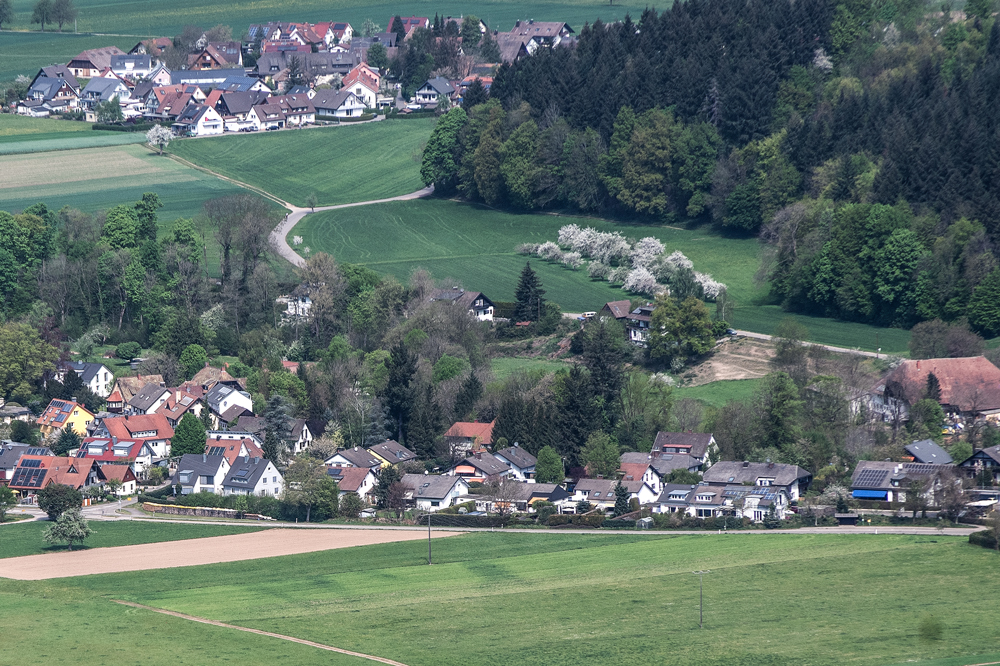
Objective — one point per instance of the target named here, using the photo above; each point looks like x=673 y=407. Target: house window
x=765 y=482
x=435 y=503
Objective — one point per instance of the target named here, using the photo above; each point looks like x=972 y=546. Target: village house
x=95 y=376
x=791 y=478
x=253 y=476
x=521 y=496
x=970 y=387
x=62 y=414
x=135 y=453
x=432 y=492
x=127 y=387
x=154 y=47
x=148 y=400
x=354 y=457
x=431 y=92
x=479 y=467
x=201 y=473
x=392 y=452
x=10 y=454
x=363 y=81
x=132 y=67
x=321 y=67
x=234 y=108
x=887 y=481
x=360 y=480
x=299 y=436
x=89 y=64
x=50 y=95
x=153 y=428
x=180 y=402
x=35 y=472
x=234 y=447
x=601 y=492
x=699 y=446
x=476 y=302
x=521 y=463
x=14 y=412
x=927 y=451
x=198 y=120
x=125 y=477
x=100 y=90
x=338 y=104
x=463 y=438
x=227 y=404
x=740 y=501
x=217 y=55
x=203 y=78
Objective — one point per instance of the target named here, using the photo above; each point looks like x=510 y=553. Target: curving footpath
x=280 y=233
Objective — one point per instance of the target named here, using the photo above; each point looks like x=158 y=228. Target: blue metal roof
x=870 y=494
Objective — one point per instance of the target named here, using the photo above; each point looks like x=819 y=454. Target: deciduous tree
x=549 y=466
x=70 y=527
x=56 y=498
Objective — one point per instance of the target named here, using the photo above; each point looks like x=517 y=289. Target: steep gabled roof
x=727 y=472
x=147 y=397
x=968 y=384
x=349 y=479
x=517 y=456
x=359 y=457
x=927 y=451
x=58 y=411
x=693 y=443
x=483 y=432
x=486 y=464
x=618 y=309
x=125 y=427
x=392 y=451
x=245 y=473
x=431 y=486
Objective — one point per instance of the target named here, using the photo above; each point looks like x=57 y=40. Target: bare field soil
x=233 y=548
x=743 y=358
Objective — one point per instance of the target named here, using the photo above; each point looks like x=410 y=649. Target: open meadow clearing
x=543 y=599
x=339 y=165
x=26 y=538
x=475 y=246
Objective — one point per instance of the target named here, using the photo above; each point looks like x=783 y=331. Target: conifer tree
x=468 y=396
x=529 y=293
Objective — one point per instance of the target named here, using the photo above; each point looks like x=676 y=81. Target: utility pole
x=429 y=562
x=701 y=597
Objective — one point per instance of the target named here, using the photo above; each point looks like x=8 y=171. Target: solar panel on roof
x=60 y=418
x=67 y=407
x=36 y=451
x=31 y=463
x=871 y=477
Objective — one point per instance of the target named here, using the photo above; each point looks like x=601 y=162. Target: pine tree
x=468 y=396
x=933 y=391
x=529 y=293
x=425 y=425
x=386 y=477
x=397 y=27
x=621 y=500
x=399 y=391
x=189 y=436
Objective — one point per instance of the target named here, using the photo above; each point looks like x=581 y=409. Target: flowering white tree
x=641 y=281
x=646 y=251
x=527 y=248
x=572 y=259
x=598 y=270
x=569 y=236
x=711 y=288
x=549 y=250
x=618 y=275
x=159 y=136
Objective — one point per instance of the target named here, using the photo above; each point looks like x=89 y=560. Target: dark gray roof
x=486 y=464
x=86 y=371
x=105 y=88
x=237 y=84
x=927 y=451
x=727 y=472
x=245 y=473
x=142 y=89
x=58 y=72
x=393 y=451
x=138 y=61
x=517 y=456
x=992 y=452
x=198 y=465
x=430 y=486
x=551 y=492
x=145 y=398
x=298 y=90
x=217 y=394
x=880 y=474
x=663 y=463
x=191 y=114
x=45 y=87
x=359 y=457
x=697 y=441
x=11 y=452
x=330 y=99
x=386 y=39
x=675 y=493
x=440 y=85
x=317 y=64
x=207 y=77
x=242 y=102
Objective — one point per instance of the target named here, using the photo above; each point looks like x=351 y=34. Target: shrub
x=128 y=350
x=984 y=539
x=930 y=628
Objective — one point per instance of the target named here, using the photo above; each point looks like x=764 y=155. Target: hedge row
x=582 y=521
x=137 y=127
x=460 y=520
x=984 y=539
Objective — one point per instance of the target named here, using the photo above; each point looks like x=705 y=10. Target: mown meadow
x=543 y=599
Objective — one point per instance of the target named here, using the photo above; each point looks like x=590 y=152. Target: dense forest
x=857 y=139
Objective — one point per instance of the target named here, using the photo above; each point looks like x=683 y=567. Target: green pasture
x=342 y=164
x=547 y=599
x=506 y=366
x=26 y=538
x=22 y=128
x=717 y=394
x=474 y=245
x=125 y=22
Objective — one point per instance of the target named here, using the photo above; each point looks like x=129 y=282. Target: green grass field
x=474 y=245
x=339 y=165
x=499 y=599
x=20 y=134
x=26 y=538
x=717 y=394
x=505 y=367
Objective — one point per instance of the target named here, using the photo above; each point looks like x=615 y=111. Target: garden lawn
x=342 y=164
x=560 y=599
x=475 y=246
x=717 y=394
x=26 y=538
x=125 y=22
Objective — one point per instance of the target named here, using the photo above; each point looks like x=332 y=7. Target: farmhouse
x=968 y=386
x=89 y=64
x=463 y=437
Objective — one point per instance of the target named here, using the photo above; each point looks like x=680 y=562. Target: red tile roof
x=125 y=427
x=969 y=384
x=351 y=478
x=481 y=431
x=231 y=449
x=50 y=417
x=633 y=471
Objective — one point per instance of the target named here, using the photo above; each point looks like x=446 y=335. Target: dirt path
x=280 y=233
x=191 y=552
x=214 y=623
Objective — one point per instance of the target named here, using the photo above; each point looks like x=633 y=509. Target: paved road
x=280 y=243
x=838 y=350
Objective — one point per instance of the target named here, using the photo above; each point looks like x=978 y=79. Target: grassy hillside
x=338 y=164
x=26 y=538
x=475 y=245
x=545 y=599
x=124 y=22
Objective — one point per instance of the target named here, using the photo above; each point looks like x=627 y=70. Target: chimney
x=918 y=364
x=204 y=457
x=246 y=458
x=177 y=395
x=114 y=440
x=746 y=464
x=256 y=460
